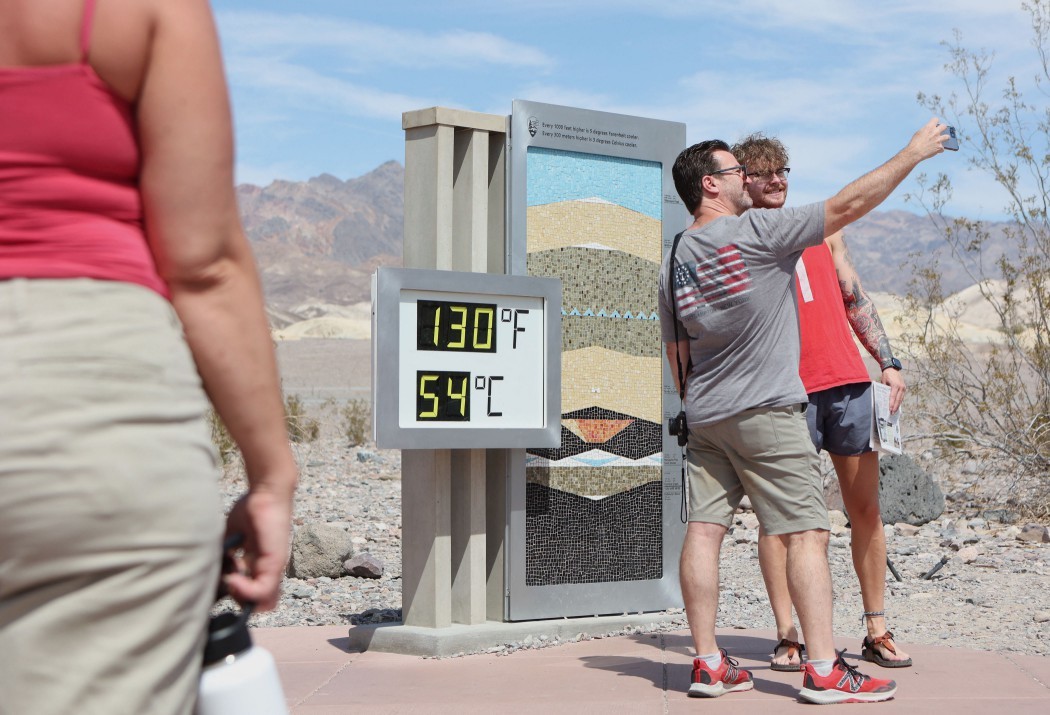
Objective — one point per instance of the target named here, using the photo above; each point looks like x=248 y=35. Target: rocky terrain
x=992 y=594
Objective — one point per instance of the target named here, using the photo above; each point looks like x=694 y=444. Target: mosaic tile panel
x=594 y=505
x=632 y=336
x=598 y=280
x=619 y=538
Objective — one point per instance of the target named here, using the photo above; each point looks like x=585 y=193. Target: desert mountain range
x=317 y=243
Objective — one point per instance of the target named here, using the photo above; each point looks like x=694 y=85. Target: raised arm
x=195 y=233
x=870 y=190
x=864 y=319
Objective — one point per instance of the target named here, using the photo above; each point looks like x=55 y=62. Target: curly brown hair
x=760 y=153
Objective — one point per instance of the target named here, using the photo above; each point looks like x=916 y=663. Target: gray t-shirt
x=734 y=288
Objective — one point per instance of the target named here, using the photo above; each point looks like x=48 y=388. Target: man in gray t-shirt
x=734 y=281
x=729 y=319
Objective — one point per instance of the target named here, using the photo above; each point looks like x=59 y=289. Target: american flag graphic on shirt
x=715 y=282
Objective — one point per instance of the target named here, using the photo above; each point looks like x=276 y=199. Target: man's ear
x=709 y=185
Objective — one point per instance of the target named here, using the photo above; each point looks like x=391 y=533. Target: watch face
x=895 y=364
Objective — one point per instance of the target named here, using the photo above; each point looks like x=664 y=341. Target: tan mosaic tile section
x=598 y=377
x=593 y=481
x=575 y=223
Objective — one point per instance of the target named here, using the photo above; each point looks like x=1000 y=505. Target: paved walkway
x=646 y=673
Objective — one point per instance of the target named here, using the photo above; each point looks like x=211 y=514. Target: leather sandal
x=869 y=650
x=791 y=646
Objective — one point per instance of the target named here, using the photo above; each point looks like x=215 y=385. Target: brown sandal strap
x=885 y=640
x=785 y=643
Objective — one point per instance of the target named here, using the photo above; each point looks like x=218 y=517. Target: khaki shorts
x=110 y=517
x=765 y=453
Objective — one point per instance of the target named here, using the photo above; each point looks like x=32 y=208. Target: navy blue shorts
x=839 y=419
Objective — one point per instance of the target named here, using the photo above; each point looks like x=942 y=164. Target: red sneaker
x=845 y=684
x=727 y=678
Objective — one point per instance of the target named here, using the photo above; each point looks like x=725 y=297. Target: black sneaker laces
x=731 y=671
x=856 y=677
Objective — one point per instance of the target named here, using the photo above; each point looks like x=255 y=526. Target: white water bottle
x=238 y=678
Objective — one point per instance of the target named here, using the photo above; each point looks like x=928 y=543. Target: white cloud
x=564 y=96
x=367 y=44
x=295 y=83
x=817 y=16
x=735 y=104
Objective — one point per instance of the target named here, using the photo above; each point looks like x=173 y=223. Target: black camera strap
x=674 y=315
x=672 y=264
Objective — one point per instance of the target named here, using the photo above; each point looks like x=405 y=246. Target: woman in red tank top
x=128 y=299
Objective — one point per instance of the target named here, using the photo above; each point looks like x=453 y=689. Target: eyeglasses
x=781 y=174
x=740 y=170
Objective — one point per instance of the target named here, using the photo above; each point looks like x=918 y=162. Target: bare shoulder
x=125 y=34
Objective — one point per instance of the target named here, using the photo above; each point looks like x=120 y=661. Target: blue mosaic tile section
x=557 y=175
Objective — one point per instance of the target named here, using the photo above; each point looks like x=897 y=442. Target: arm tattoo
x=864 y=318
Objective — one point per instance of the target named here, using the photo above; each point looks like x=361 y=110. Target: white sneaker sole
x=699 y=690
x=829 y=697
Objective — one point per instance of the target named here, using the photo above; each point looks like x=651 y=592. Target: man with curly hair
x=831 y=300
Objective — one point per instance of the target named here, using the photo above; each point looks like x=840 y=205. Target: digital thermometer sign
x=465 y=360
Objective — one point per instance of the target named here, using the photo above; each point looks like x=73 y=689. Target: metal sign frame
x=389 y=289
x=535 y=124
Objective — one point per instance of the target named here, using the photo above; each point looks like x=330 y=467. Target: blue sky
x=319 y=86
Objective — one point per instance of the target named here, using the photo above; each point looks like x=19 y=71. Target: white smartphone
x=953 y=141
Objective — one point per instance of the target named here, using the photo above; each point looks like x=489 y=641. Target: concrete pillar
x=426 y=541
x=468 y=536
x=454 y=220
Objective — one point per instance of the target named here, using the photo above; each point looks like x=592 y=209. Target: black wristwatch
x=894 y=363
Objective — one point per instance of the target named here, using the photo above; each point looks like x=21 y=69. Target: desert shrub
x=991 y=402
x=301 y=427
x=357 y=421
x=220 y=437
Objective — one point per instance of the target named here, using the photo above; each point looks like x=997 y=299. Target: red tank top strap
x=85 y=29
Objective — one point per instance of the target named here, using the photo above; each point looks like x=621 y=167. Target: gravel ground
x=993 y=594
x=999 y=600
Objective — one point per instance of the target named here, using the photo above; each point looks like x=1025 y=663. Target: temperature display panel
x=465 y=359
